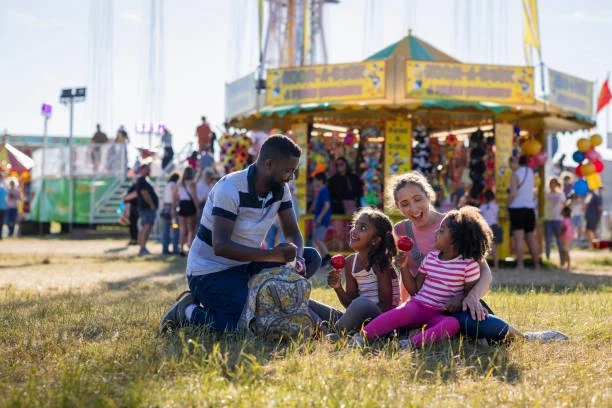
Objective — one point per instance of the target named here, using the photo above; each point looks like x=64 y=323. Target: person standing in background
x=147 y=207
x=555 y=200
x=204 y=135
x=131 y=203
x=12 y=207
x=577 y=205
x=185 y=195
x=168 y=217
x=592 y=215
x=321 y=209
x=345 y=189
x=97 y=139
x=166 y=141
x=3 y=194
x=521 y=209
x=490 y=212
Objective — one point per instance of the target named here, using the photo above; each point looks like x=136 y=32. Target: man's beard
x=274 y=185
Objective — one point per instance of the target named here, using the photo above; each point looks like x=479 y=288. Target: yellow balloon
x=588 y=169
x=595 y=140
x=583 y=145
x=594 y=181
x=531 y=147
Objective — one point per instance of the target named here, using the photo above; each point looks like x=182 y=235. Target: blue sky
x=44 y=47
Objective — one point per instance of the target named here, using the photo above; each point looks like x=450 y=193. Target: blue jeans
x=492 y=328
x=552 y=228
x=222 y=294
x=166 y=231
x=10 y=219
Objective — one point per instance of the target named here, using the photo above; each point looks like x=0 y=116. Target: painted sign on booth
x=570 y=93
x=398 y=148
x=326 y=83
x=469 y=82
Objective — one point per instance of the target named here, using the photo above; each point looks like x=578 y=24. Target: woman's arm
x=472 y=298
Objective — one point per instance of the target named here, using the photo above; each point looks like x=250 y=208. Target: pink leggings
x=414 y=314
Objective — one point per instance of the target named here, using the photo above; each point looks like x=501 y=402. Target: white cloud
x=131 y=17
x=32 y=21
x=589 y=16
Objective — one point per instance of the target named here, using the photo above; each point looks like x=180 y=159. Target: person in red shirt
x=204 y=135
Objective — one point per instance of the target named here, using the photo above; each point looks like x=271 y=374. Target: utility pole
x=68 y=97
x=46 y=111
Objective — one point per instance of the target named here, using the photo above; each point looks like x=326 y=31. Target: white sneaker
x=405 y=344
x=356 y=341
x=545 y=336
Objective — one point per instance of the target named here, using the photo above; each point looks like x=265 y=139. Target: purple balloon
x=592 y=155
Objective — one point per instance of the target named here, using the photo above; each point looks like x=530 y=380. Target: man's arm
x=290 y=229
x=224 y=246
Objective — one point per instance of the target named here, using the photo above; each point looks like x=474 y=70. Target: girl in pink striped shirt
x=452 y=268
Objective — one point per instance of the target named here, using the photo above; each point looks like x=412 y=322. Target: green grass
x=101 y=349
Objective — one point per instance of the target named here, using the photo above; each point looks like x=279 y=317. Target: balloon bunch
x=532 y=149
x=588 y=172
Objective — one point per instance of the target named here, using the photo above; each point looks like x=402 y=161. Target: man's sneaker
x=143 y=252
x=175 y=316
x=545 y=336
x=332 y=337
x=356 y=341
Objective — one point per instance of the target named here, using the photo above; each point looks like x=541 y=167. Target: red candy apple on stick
x=337 y=261
x=405 y=243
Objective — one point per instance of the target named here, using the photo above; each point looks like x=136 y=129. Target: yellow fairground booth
x=409 y=106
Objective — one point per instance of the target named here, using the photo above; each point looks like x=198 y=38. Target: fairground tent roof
x=412 y=47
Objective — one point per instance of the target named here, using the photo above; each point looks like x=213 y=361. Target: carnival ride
x=411 y=106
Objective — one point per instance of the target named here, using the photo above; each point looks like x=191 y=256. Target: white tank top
x=524 y=193
x=184 y=194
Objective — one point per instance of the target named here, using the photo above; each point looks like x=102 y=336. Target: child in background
x=463 y=240
x=566 y=236
x=192 y=161
x=372 y=286
x=321 y=208
x=490 y=212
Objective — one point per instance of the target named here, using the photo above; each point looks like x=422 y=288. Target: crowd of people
x=10 y=196
x=182 y=199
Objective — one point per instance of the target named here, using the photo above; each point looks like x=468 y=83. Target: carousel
x=409 y=107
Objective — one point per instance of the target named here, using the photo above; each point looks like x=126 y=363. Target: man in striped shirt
x=227 y=250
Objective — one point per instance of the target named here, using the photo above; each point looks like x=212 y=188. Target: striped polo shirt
x=444 y=279
x=234 y=197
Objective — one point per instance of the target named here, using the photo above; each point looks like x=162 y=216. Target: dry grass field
x=78 y=327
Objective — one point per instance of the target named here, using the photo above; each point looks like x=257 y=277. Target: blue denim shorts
x=147 y=217
x=319 y=232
